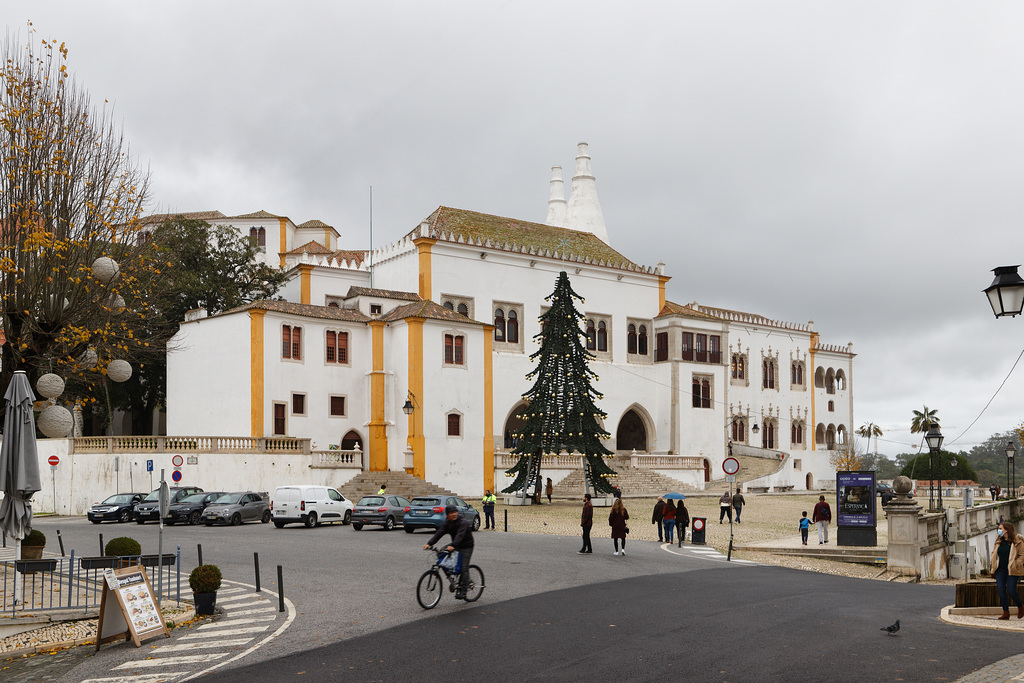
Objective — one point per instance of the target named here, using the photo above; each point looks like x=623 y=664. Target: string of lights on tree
x=562 y=416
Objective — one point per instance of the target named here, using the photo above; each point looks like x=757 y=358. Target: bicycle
x=431 y=583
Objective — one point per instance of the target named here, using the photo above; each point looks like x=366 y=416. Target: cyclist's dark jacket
x=461 y=531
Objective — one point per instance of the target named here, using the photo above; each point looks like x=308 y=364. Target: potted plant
x=204 y=582
x=123 y=547
x=32 y=545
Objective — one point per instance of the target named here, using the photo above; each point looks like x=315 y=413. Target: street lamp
x=408 y=408
x=1011 y=470
x=1006 y=293
x=952 y=463
x=934 y=438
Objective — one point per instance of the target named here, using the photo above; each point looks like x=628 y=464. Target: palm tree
x=923 y=421
x=869 y=430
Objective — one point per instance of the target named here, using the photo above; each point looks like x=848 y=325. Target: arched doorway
x=351 y=441
x=513 y=425
x=809 y=482
x=631 y=433
x=707 y=470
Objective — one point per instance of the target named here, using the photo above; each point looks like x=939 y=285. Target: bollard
x=280 y=589
x=506 y=521
x=101 y=545
x=256 y=561
x=61 y=540
x=199 y=548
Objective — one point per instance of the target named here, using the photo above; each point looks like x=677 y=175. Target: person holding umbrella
x=19 y=465
x=680 y=519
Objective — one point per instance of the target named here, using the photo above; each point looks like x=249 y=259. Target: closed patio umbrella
x=19 y=465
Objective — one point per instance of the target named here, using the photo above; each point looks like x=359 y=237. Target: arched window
x=591 y=336
x=499 y=325
x=333 y=304
x=768 y=374
x=841 y=380
x=449 y=305
x=642 y=341
x=738 y=371
x=631 y=339
x=768 y=434
x=797 y=373
x=739 y=430
x=291 y=342
x=463 y=309
x=796 y=432
x=819 y=434
x=512 y=327
x=602 y=336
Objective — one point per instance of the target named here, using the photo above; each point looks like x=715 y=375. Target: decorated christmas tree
x=561 y=415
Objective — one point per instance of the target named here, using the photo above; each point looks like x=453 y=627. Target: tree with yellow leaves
x=70 y=194
x=845 y=457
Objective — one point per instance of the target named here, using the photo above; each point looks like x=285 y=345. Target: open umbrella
x=19 y=465
x=674 y=496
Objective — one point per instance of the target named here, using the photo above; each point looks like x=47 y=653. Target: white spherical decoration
x=119 y=370
x=88 y=358
x=115 y=301
x=105 y=269
x=50 y=385
x=55 y=422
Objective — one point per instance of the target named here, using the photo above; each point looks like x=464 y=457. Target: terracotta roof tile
x=304 y=310
x=257 y=214
x=315 y=223
x=426 y=309
x=311 y=247
x=190 y=215
x=382 y=293
x=671 y=308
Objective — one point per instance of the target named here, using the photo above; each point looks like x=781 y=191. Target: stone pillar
x=904 y=553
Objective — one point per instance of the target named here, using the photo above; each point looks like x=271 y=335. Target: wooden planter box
x=981 y=593
x=35 y=566
x=99 y=562
x=154 y=560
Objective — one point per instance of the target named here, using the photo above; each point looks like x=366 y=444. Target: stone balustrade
x=338 y=459
x=188 y=444
x=505 y=460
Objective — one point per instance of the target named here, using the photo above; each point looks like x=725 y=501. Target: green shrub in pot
x=205 y=579
x=35 y=538
x=122 y=546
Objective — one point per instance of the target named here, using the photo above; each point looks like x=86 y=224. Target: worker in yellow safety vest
x=489 y=500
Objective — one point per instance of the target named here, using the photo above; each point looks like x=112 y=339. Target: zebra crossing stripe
x=203 y=645
x=236 y=613
x=237 y=622
x=232 y=598
x=141 y=678
x=227 y=632
x=173 y=661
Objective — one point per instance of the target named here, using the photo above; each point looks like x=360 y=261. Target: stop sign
x=53 y=460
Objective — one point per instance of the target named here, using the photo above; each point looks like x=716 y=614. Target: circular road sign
x=731 y=466
x=176 y=475
x=698 y=524
x=53 y=460
x=176 y=461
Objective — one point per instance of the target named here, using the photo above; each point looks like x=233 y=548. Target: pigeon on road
x=891 y=630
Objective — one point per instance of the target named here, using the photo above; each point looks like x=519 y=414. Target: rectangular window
x=298 y=404
x=687 y=345
x=280 y=419
x=715 y=349
x=296 y=343
x=661 y=353
x=454 y=425
x=337 y=406
x=337 y=347
x=458 y=350
x=375 y=309
x=453 y=349
x=291 y=342
x=738 y=371
x=700 y=348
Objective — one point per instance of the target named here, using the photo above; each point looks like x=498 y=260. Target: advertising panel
x=856 y=492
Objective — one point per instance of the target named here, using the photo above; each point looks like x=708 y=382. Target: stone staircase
x=399 y=483
x=634 y=482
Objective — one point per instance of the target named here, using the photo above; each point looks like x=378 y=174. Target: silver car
x=384 y=510
x=235 y=508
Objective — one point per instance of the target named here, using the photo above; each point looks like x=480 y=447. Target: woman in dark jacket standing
x=617 y=520
x=682 y=521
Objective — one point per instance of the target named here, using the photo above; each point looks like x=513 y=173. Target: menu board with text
x=139 y=617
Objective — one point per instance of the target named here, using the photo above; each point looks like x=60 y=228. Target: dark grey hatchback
x=427 y=512
x=383 y=510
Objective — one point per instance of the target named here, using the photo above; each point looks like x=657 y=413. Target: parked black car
x=149 y=509
x=190 y=509
x=116 y=508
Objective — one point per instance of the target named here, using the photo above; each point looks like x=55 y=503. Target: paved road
x=548 y=612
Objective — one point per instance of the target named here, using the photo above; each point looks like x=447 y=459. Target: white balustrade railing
x=339 y=459
x=505 y=460
x=188 y=444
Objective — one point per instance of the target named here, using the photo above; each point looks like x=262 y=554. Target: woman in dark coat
x=682 y=521
x=617 y=520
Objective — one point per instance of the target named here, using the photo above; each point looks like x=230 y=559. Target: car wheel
x=208 y=522
x=408 y=529
x=195 y=518
x=348 y=517
x=125 y=516
x=279 y=524
x=311 y=520
x=95 y=521
x=236 y=519
x=389 y=524
x=266 y=516
x=476 y=523
x=357 y=526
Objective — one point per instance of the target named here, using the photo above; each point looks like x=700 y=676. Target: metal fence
x=68 y=584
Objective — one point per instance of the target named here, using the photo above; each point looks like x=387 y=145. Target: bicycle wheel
x=475 y=587
x=429 y=589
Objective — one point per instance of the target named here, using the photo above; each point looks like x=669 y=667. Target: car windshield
x=119 y=499
x=372 y=500
x=228 y=498
x=194 y=498
x=153 y=497
x=429 y=502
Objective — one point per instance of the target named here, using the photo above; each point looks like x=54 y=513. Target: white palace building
x=414 y=355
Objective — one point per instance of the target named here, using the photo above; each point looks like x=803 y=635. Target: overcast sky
x=858 y=164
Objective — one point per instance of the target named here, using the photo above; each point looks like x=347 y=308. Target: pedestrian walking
x=658 y=516
x=805 y=527
x=725 y=506
x=549 y=489
x=617 y=521
x=586 y=522
x=992 y=491
x=737 y=504
x=1007 y=567
x=821 y=517
x=682 y=522
x=489 y=500
x=669 y=520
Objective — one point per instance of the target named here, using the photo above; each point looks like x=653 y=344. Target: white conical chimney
x=556 y=199
x=584 y=211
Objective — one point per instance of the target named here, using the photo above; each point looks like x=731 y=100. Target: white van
x=310 y=504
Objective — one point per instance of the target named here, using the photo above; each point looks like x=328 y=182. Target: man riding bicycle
x=462 y=542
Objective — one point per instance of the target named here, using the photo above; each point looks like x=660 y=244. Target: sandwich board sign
x=128 y=608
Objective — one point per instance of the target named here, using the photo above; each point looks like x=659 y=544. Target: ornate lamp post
x=952 y=463
x=1011 y=470
x=1006 y=293
x=934 y=438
